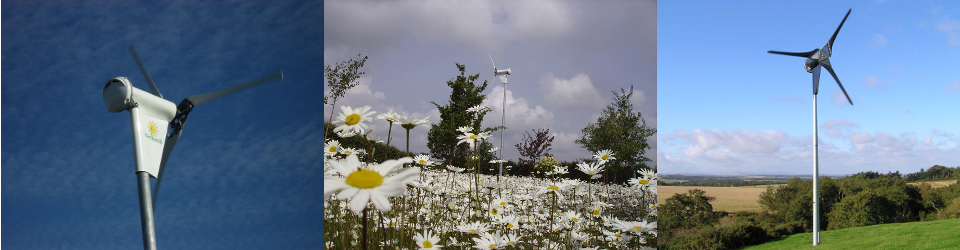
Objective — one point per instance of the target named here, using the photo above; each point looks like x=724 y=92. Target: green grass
x=942 y=234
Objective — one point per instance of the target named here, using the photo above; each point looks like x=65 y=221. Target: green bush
x=863 y=209
x=546 y=164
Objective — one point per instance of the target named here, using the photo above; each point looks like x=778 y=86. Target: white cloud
x=838 y=128
x=638 y=98
x=576 y=93
x=872 y=81
x=879 y=40
x=954 y=86
x=950 y=27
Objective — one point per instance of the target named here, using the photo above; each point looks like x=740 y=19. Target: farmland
x=730 y=199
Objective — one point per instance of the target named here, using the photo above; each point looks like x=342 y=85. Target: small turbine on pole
x=502 y=75
x=150 y=116
x=816 y=59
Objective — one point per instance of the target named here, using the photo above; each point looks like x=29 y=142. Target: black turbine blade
x=799 y=54
x=834 y=74
x=816 y=79
x=198 y=99
x=834 y=37
x=167 y=148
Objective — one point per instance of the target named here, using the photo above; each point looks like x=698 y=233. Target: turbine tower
x=816 y=59
x=502 y=75
x=149 y=116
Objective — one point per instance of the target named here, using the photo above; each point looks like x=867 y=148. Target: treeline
x=936 y=172
x=721 y=183
x=688 y=221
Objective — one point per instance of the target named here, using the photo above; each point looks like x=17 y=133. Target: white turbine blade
x=201 y=98
x=143 y=69
x=167 y=148
x=491 y=62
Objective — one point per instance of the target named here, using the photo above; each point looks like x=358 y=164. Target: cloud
x=838 y=98
x=576 y=93
x=638 y=98
x=775 y=152
x=954 y=86
x=471 y=24
x=879 y=40
x=838 y=128
x=872 y=81
x=950 y=27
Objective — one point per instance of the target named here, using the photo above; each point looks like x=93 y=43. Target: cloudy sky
x=245 y=174
x=729 y=107
x=565 y=57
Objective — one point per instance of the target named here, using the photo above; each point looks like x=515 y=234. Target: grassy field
x=943 y=234
x=730 y=199
x=935 y=184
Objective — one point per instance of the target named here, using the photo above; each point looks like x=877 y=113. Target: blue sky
x=566 y=59
x=729 y=107
x=245 y=173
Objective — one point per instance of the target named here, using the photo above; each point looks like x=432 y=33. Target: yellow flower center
x=503 y=203
x=492 y=246
x=473 y=230
x=596 y=212
x=494 y=211
x=348 y=152
x=510 y=225
x=644 y=182
x=333 y=149
x=637 y=228
x=575 y=219
x=423 y=162
x=554 y=188
x=364 y=179
x=618 y=235
x=353 y=119
x=604 y=157
x=427 y=244
x=510 y=242
x=393 y=224
x=473 y=137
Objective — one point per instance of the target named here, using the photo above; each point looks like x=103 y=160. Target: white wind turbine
x=149 y=116
x=502 y=75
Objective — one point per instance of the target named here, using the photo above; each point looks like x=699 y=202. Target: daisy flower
x=635 y=227
x=647 y=173
x=351 y=151
x=464 y=129
x=390 y=116
x=472 y=138
x=477 y=109
x=604 y=155
x=494 y=149
x=590 y=169
x=427 y=240
x=331 y=148
x=473 y=228
x=423 y=160
x=365 y=184
x=411 y=122
x=455 y=169
x=488 y=241
x=353 y=119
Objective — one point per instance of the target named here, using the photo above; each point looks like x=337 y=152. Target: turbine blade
x=143 y=69
x=834 y=74
x=167 y=148
x=201 y=98
x=816 y=79
x=834 y=37
x=798 y=54
x=494 y=64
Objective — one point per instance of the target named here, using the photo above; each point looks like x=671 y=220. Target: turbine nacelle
x=119 y=95
x=501 y=72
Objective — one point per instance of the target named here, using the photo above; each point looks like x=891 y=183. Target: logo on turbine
x=153 y=132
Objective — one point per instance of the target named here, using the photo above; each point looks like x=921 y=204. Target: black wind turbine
x=816 y=59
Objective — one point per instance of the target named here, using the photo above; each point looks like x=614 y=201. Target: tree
x=622 y=131
x=442 y=138
x=686 y=211
x=341 y=78
x=534 y=147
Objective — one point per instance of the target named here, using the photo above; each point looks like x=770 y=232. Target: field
x=935 y=184
x=942 y=234
x=730 y=199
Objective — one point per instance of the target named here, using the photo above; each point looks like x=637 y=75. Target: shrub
x=863 y=209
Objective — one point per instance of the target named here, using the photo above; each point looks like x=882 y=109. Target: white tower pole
x=143 y=185
x=816 y=177
x=503 y=119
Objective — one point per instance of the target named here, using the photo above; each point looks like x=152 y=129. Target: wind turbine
x=816 y=59
x=502 y=75
x=148 y=113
